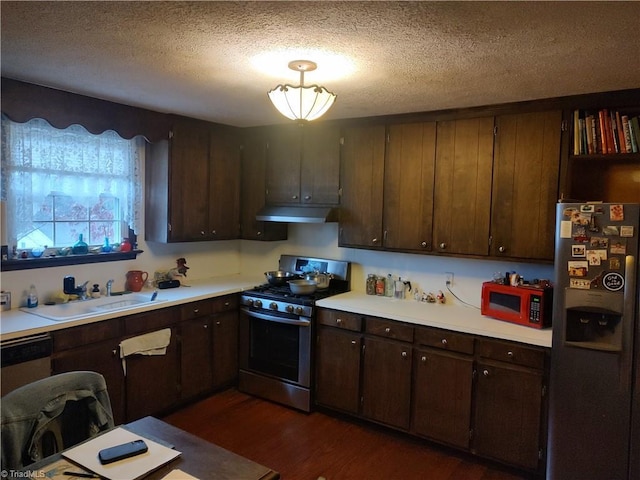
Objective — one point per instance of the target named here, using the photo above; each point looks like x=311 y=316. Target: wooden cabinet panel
x=225 y=347
x=408 y=186
x=151 y=321
x=102 y=357
x=192 y=184
x=462 y=193
x=442 y=396
x=320 y=164
x=386 y=382
x=283 y=164
x=253 y=189
x=507 y=414
x=224 y=184
x=444 y=339
x=152 y=382
x=525 y=184
x=389 y=329
x=196 y=373
x=362 y=177
x=338 y=319
x=189 y=180
x=86 y=334
x=511 y=352
x=200 y=308
x=338 y=369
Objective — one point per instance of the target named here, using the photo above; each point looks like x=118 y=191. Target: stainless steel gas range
x=276 y=333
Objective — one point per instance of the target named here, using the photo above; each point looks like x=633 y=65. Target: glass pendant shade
x=301 y=102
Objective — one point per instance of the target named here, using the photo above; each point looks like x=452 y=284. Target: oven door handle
x=270 y=318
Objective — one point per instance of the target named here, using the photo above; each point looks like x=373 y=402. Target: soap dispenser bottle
x=32 y=298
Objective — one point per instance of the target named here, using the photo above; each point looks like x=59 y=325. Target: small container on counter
x=389 y=287
x=371 y=284
x=95 y=293
x=380 y=286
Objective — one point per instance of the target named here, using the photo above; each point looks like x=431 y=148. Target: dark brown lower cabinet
x=152 y=381
x=386 y=382
x=508 y=414
x=196 y=371
x=443 y=384
x=338 y=372
x=101 y=357
x=479 y=394
x=224 y=358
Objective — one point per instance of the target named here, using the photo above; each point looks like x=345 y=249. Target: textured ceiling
x=199 y=58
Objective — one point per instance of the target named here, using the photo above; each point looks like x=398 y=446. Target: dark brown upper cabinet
x=303 y=164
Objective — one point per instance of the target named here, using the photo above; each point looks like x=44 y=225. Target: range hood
x=301 y=214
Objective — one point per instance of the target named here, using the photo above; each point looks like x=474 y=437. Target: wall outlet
x=448 y=278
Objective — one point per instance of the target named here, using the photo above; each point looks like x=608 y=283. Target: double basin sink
x=62 y=312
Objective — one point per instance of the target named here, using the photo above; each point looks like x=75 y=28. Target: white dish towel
x=154 y=343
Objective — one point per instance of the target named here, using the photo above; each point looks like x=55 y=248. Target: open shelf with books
x=604 y=153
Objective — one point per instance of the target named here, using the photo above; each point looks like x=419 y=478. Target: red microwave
x=527 y=305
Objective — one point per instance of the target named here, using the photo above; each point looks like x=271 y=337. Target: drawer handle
x=510 y=354
x=404 y=354
x=339 y=321
x=114 y=352
x=444 y=342
x=205 y=325
x=353 y=342
x=218 y=322
x=443 y=245
x=423 y=358
x=485 y=373
x=387 y=330
x=196 y=310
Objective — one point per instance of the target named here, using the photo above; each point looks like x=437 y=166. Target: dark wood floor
x=307 y=446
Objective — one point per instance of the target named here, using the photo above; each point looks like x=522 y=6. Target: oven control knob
x=299 y=311
x=289 y=308
x=249 y=302
x=258 y=303
x=273 y=306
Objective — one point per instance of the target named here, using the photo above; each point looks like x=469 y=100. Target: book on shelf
x=604 y=132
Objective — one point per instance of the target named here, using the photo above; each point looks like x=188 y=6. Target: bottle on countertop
x=32 y=298
x=389 y=287
x=380 y=288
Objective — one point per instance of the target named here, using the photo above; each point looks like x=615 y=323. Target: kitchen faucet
x=70 y=288
x=109 y=285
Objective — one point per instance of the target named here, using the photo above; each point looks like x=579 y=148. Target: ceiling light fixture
x=300 y=102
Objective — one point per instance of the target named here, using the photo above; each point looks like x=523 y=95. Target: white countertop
x=448 y=316
x=17 y=323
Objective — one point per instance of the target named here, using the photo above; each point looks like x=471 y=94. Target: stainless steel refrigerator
x=594 y=398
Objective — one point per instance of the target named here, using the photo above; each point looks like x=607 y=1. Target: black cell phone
x=120 y=452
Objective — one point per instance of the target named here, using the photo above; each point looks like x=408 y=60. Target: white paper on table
x=178 y=474
x=86 y=454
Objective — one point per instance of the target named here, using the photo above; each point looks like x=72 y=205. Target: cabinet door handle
x=387 y=330
x=205 y=326
x=294 y=197
x=218 y=322
x=202 y=233
x=213 y=232
x=353 y=342
x=404 y=354
x=196 y=310
x=258 y=233
x=444 y=342
x=443 y=245
x=502 y=249
x=339 y=321
x=510 y=354
x=114 y=352
x=226 y=304
x=423 y=358
x=375 y=240
x=424 y=244
x=307 y=197
x=485 y=372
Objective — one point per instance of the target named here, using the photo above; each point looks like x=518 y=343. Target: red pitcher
x=135 y=280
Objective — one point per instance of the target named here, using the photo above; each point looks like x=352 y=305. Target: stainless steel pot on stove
x=302 y=286
x=322 y=279
x=280 y=278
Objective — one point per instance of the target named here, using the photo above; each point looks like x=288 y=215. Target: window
x=60 y=184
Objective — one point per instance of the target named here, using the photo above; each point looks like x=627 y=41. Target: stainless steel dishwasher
x=24 y=360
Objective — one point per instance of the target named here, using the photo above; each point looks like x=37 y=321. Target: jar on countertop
x=371 y=284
